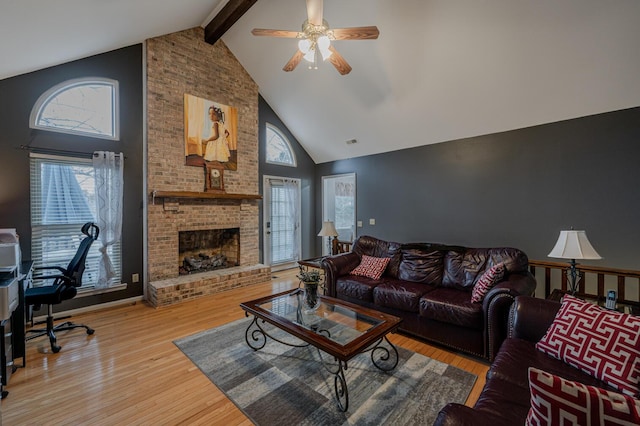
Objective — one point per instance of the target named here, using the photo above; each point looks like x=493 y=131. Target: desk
x=13 y=330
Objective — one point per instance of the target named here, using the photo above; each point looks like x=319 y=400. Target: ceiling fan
x=315 y=39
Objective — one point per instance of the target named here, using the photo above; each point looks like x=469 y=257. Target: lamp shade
x=574 y=245
x=328 y=229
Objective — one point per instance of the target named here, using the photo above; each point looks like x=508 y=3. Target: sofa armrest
x=497 y=305
x=336 y=266
x=454 y=414
x=530 y=317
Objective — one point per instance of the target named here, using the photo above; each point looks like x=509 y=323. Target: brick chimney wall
x=182 y=63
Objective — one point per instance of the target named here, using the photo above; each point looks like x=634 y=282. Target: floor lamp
x=328 y=230
x=573 y=245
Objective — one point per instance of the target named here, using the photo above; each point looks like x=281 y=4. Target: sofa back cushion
x=371 y=246
x=463 y=270
x=421 y=266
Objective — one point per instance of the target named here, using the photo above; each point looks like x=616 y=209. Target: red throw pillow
x=557 y=401
x=371 y=267
x=487 y=281
x=602 y=343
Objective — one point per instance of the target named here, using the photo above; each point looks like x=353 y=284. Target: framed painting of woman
x=211 y=133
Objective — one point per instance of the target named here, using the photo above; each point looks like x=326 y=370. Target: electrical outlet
x=135 y=278
x=359 y=224
x=372 y=221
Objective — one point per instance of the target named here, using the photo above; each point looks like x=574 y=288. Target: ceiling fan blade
x=294 y=61
x=356 y=33
x=314 y=11
x=339 y=62
x=274 y=33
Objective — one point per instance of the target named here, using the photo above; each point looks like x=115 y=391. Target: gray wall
x=17 y=97
x=304 y=171
x=517 y=188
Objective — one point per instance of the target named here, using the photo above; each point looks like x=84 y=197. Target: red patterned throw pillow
x=487 y=281
x=557 y=401
x=371 y=267
x=601 y=343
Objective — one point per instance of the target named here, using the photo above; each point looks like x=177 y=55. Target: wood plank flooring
x=130 y=372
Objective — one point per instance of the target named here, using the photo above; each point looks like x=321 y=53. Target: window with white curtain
x=62 y=200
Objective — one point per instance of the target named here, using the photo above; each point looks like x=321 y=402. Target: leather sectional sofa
x=429 y=286
x=505 y=398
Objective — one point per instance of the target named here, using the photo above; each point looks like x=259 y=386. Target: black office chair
x=63 y=288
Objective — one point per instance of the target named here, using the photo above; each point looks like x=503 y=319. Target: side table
x=557 y=295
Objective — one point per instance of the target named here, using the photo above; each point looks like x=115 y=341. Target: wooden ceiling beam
x=228 y=16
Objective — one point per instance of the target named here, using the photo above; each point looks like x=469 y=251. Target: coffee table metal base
x=384 y=356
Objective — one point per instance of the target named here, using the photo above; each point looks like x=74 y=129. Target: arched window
x=278 y=148
x=84 y=106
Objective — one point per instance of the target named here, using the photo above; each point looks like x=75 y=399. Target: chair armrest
x=47 y=277
x=44 y=268
x=336 y=266
x=497 y=304
x=530 y=317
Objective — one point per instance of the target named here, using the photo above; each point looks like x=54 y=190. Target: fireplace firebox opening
x=208 y=250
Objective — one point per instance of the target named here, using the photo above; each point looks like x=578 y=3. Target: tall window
x=62 y=200
x=278 y=148
x=86 y=106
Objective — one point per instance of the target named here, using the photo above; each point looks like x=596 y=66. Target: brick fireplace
x=181 y=63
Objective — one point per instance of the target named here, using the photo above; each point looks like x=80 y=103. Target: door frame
x=355 y=213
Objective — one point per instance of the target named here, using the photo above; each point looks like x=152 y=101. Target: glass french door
x=339 y=206
x=282 y=239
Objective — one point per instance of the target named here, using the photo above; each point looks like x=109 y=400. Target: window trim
x=284 y=138
x=59 y=88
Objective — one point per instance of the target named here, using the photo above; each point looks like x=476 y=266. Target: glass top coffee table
x=338 y=328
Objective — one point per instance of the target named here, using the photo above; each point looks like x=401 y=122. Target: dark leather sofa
x=505 y=398
x=429 y=286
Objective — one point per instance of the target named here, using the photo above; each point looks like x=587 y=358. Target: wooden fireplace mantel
x=203 y=195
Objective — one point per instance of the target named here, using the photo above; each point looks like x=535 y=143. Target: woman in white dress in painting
x=216 y=146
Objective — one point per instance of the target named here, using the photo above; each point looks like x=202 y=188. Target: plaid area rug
x=282 y=385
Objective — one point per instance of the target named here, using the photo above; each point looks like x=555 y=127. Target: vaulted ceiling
x=441 y=70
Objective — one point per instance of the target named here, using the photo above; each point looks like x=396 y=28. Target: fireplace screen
x=207 y=250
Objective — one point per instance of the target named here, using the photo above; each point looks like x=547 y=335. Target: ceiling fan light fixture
x=316 y=35
x=310 y=56
x=323 y=44
x=304 y=45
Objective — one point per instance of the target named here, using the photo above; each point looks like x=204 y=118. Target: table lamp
x=328 y=230
x=573 y=245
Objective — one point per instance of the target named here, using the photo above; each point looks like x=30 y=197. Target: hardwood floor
x=130 y=372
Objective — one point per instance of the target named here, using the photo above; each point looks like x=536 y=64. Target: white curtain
x=291 y=193
x=109 y=182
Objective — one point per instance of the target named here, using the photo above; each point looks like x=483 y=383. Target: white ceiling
x=441 y=69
